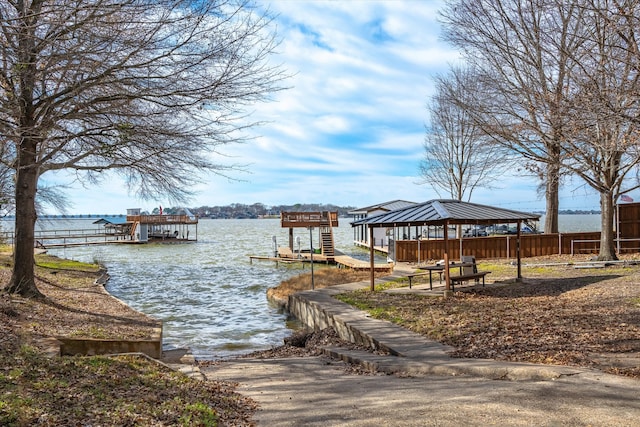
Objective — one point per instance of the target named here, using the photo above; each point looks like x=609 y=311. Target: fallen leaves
x=563 y=316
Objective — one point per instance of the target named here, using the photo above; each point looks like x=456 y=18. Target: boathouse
x=380 y=235
x=142 y=227
x=135 y=227
x=322 y=223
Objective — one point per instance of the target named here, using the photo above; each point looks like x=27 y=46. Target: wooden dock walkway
x=87 y=243
x=285 y=255
x=358 y=264
x=380 y=249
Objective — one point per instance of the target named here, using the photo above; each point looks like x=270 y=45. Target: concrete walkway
x=411 y=353
x=428 y=387
x=315 y=391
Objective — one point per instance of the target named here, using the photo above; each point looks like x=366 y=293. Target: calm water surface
x=208 y=294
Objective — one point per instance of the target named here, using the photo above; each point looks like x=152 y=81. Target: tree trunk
x=607 y=240
x=23 y=277
x=552 y=198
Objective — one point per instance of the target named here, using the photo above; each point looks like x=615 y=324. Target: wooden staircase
x=327 y=245
x=326 y=235
x=134 y=228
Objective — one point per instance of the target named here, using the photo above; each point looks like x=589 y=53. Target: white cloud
x=350 y=129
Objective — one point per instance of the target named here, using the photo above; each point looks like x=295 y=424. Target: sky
x=350 y=129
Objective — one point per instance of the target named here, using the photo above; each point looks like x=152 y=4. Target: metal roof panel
x=388 y=206
x=452 y=211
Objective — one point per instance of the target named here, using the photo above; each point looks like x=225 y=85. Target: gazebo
x=445 y=213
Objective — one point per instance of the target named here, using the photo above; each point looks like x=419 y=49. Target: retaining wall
x=152 y=347
x=307 y=307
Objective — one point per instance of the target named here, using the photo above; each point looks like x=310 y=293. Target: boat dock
x=79 y=237
x=358 y=264
x=324 y=222
x=286 y=256
x=135 y=228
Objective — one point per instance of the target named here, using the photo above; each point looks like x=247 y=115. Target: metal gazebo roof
x=446 y=212
x=437 y=212
x=387 y=206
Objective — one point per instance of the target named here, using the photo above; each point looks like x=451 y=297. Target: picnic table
x=439 y=268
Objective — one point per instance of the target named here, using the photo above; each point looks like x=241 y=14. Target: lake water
x=208 y=294
x=576 y=223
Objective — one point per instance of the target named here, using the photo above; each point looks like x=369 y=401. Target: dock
x=286 y=256
x=324 y=222
x=86 y=243
x=345 y=261
x=136 y=228
x=384 y=250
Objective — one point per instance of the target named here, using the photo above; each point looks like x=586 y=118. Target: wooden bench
x=466 y=277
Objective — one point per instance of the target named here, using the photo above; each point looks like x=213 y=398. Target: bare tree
x=603 y=143
x=520 y=49
x=146 y=90
x=458 y=156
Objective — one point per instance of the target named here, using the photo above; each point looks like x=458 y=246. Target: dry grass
x=322 y=278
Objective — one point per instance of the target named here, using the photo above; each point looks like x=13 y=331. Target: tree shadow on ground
x=543 y=286
x=111 y=311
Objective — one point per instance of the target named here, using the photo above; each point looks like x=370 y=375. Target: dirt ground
x=76 y=305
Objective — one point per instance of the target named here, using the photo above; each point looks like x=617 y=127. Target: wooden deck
x=357 y=264
x=380 y=249
x=285 y=255
x=308 y=219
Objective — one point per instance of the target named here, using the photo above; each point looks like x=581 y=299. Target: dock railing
x=308 y=219
x=163 y=219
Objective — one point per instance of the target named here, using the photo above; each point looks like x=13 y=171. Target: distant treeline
x=233 y=211
x=573 y=212
x=258 y=210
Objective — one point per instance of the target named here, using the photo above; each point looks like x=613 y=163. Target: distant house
x=380 y=239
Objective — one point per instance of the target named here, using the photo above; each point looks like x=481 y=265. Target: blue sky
x=350 y=129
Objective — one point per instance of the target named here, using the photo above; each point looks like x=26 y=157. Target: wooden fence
x=531 y=245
